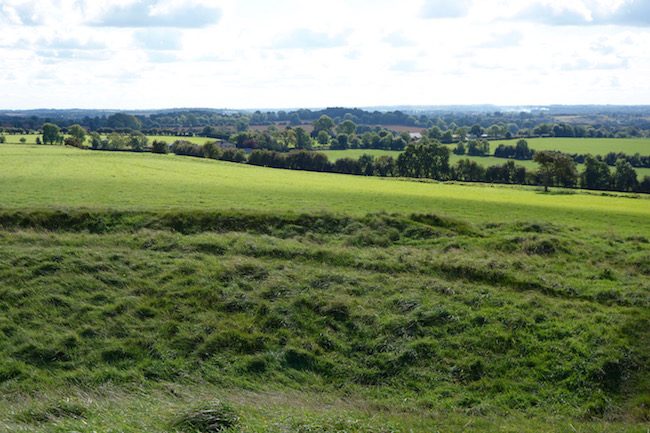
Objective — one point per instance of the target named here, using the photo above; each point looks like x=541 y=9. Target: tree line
x=440 y=124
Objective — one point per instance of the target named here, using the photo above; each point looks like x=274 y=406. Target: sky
x=140 y=54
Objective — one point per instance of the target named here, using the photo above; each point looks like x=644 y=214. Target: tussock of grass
x=212 y=417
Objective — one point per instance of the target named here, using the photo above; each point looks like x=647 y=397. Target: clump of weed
x=53 y=412
x=211 y=417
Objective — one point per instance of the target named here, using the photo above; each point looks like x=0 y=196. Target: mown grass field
x=137 y=289
x=595 y=146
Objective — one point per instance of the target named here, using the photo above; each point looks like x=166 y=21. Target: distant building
x=415 y=135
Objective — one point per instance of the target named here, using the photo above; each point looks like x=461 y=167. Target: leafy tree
x=460 y=149
x=78 y=132
x=426 y=158
x=138 y=141
x=434 y=132
x=556 y=168
x=384 y=166
x=51 y=133
x=323 y=138
x=478 y=148
x=303 y=140
x=461 y=132
x=494 y=131
x=159 y=146
x=447 y=137
x=346 y=127
x=3 y=139
x=341 y=142
x=38 y=140
x=596 y=174
x=469 y=171
x=522 y=151
x=366 y=163
x=96 y=141
x=117 y=142
x=324 y=123
x=625 y=178
x=476 y=130
x=124 y=121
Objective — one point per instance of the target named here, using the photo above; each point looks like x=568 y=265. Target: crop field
x=158 y=293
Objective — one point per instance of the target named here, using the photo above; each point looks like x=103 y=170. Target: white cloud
x=304 y=38
x=445 y=8
x=156 y=13
x=291 y=53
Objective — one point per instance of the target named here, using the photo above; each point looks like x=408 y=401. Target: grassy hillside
x=136 y=290
x=67 y=177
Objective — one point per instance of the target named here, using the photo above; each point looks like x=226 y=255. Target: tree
x=556 y=168
x=341 y=141
x=138 y=141
x=522 y=151
x=460 y=149
x=384 y=166
x=323 y=138
x=434 y=132
x=426 y=158
x=303 y=140
x=78 y=133
x=324 y=123
x=51 y=133
x=596 y=174
x=366 y=163
x=160 y=147
x=476 y=131
x=625 y=178
x=346 y=127
x=3 y=139
x=124 y=121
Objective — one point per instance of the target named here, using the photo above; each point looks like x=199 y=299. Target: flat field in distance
x=595 y=146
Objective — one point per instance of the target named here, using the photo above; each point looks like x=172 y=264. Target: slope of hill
x=137 y=290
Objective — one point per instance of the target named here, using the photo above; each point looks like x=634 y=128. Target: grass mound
x=212 y=417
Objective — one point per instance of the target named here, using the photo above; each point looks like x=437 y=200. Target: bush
x=233 y=155
x=212 y=417
x=182 y=147
x=159 y=147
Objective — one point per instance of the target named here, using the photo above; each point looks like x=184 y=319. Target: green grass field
x=67 y=177
x=595 y=146
x=158 y=293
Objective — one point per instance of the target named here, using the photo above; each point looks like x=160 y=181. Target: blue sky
x=284 y=54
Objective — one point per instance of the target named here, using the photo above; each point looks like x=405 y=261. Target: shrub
x=183 y=147
x=159 y=147
x=233 y=155
x=212 y=417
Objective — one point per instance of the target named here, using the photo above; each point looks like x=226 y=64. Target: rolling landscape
x=381 y=253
